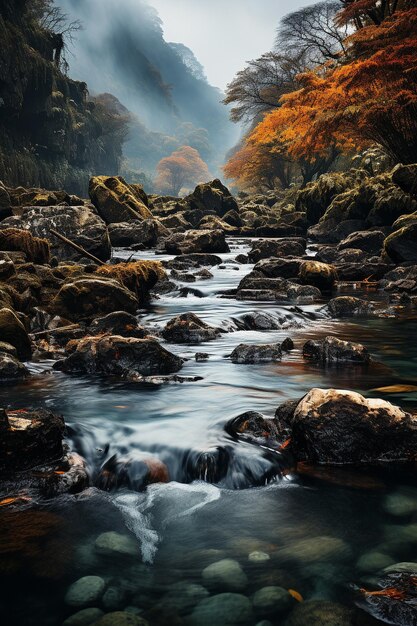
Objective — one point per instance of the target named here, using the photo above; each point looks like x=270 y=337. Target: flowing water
x=310 y=531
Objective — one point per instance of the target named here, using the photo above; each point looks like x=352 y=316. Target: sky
x=224 y=34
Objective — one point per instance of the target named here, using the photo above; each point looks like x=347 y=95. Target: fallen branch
x=79 y=249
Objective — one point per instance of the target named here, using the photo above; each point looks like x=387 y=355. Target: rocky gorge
x=167 y=361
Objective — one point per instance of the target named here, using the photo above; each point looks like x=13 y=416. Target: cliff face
x=51 y=134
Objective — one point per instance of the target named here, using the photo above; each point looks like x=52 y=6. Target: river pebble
x=226 y=574
x=86 y=590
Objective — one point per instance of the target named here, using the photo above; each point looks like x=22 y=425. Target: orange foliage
x=183 y=167
x=370 y=99
x=256 y=163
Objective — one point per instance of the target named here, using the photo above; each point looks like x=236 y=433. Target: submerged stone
x=85 y=591
x=225 y=574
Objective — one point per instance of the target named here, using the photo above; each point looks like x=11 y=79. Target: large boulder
x=14 y=333
x=334 y=350
x=401 y=246
x=79 y=224
x=405 y=176
x=125 y=234
x=279 y=268
x=137 y=276
x=29 y=438
x=120 y=356
x=188 y=328
x=368 y=241
x=265 y=249
x=213 y=197
x=85 y=298
x=117 y=201
x=197 y=241
x=315 y=198
x=331 y=426
x=11 y=368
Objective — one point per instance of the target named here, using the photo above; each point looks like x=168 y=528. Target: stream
x=314 y=531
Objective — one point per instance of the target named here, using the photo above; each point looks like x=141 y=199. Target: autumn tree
x=184 y=167
x=371 y=98
x=312 y=34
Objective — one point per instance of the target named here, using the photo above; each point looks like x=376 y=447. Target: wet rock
x=318 y=274
x=176 y=222
x=316 y=549
x=132 y=473
x=118 y=323
x=405 y=566
x=192 y=241
x=287 y=345
x=117 y=201
x=183 y=276
x=115 y=544
x=121 y=618
x=85 y=617
x=212 y=196
x=233 y=218
x=250 y=353
x=372 y=562
x=85 y=591
x=227 y=609
x=11 y=368
x=182 y=597
x=320 y=613
x=186 y=261
x=133 y=233
x=188 y=328
x=401 y=503
x=29 y=438
x=262 y=320
x=258 y=557
x=368 y=241
x=272 y=601
x=266 y=249
x=85 y=298
x=113 y=598
x=120 y=356
x=334 y=350
x=79 y=224
x=252 y=425
x=394 y=600
x=303 y=294
x=401 y=246
x=202 y=356
x=338 y=427
x=279 y=268
x=204 y=274
x=362 y=271
x=347 y=306
x=225 y=574
x=215 y=223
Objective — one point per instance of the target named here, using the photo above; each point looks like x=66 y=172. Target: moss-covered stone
x=116 y=200
x=137 y=276
x=16 y=239
x=13 y=332
x=401 y=246
x=85 y=298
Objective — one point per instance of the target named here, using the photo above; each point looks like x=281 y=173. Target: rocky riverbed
x=208 y=405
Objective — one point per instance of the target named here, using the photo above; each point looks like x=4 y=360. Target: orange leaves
x=183 y=167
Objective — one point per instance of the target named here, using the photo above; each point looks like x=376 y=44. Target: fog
x=223 y=34
x=164 y=60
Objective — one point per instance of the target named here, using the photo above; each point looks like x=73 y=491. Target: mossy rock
x=13 y=332
x=116 y=200
x=320 y=275
x=401 y=246
x=86 y=298
x=390 y=204
x=317 y=196
x=16 y=239
x=137 y=276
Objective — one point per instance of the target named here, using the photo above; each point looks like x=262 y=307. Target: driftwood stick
x=54 y=330
x=79 y=249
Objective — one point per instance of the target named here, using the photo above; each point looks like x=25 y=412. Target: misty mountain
x=121 y=50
